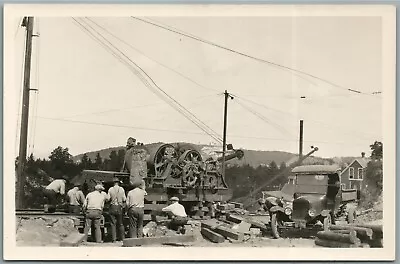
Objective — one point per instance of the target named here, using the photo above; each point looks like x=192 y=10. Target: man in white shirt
x=53 y=191
x=117 y=203
x=135 y=205
x=93 y=207
x=178 y=214
x=76 y=198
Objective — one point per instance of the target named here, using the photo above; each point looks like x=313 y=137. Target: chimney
x=363 y=154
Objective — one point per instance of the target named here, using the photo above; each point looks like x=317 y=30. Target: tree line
x=241 y=179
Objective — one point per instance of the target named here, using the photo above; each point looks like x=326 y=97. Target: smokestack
x=363 y=154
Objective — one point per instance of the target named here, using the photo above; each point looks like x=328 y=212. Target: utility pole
x=28 y=24
x=301 y=140
x=227 y=95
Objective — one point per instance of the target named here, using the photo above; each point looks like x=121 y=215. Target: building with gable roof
x=352 y=177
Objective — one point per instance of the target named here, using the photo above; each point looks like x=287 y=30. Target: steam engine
x=174 y=169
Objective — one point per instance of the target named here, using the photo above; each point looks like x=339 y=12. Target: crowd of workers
x=120 y=204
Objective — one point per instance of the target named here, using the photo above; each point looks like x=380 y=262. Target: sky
x=82 y=85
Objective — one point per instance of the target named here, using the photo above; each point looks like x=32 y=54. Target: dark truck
x=318 y=198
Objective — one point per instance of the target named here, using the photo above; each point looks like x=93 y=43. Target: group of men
x=131 y=204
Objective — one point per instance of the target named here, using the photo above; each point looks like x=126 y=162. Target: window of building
x=351 y=173
x=360 y=173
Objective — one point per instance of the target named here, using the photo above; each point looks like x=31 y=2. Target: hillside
x=252 y=157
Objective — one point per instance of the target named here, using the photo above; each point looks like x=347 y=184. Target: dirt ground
x=49 y=231
x=43 y=231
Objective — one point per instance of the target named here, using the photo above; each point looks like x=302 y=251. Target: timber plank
x=334 y=244
x=212 y=236
x=72 y=240
x=345 y=238
x=132 y=242
x=222 y=229
x=365 y=234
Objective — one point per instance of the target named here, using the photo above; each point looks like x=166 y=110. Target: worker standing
x=178 y=214
x=135 y=204
x=93 y=207
x=53 y=191
x=117 y=203
x=76 y=198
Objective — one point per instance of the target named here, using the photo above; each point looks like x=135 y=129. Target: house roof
x=316 y=168
x=362 y=161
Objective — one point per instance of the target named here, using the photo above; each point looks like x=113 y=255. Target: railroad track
x=40 y=212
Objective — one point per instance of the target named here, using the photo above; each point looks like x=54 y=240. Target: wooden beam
x=364 y=234
x=212 y=236
x=223 y=230
x=132 y=242
x=345 y=238
x=72 y=240
x=334 y=244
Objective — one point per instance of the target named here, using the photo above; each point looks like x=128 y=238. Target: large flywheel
x=191 y=166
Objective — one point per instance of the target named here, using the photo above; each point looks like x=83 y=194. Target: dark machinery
x=176 y=169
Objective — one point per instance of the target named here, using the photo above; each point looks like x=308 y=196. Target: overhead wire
x=159 y=92
x=180 y=32
x=210 y=43
x=191 y=117
x=188 y=132
x=128 y=108
x=263 y=118
x=340 y=129
x=148 y=57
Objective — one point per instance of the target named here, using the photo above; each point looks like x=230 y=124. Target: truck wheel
x=351 y=215
x=327 y=222
x=274 y=226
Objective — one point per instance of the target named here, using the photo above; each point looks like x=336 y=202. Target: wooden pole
x=301 y=140
x=28 y=24
x=226 y=94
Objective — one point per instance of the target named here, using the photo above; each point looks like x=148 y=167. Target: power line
x=141 y=52
x=186 y=113
x=213 y=44
x=188 y=132
x=263 y=118
x=129 y=108
x=176 y=106
x=180 y=32
x=340 y=129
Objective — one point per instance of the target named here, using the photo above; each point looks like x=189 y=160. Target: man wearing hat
x=117 y=203
x=130 y=144
x=135 y=204
x=178 y=214
x=53 y=191
x=76 y=198
x=93 y=207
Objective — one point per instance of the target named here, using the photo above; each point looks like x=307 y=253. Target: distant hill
x=253 y=158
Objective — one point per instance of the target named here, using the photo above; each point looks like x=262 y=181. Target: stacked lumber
x=347 y=235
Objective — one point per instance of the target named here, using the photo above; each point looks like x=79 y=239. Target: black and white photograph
x=226 y=132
